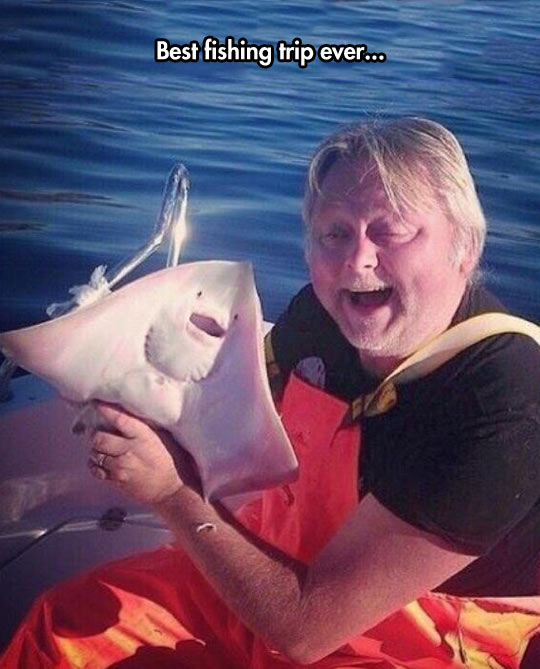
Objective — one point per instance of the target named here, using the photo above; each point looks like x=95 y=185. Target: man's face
x=391 y=283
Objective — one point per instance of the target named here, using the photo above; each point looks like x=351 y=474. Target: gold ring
x=100 y=460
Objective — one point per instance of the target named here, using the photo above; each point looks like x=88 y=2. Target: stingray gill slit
x=207 y=324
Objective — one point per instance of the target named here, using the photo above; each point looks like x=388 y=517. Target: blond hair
x=417 y=161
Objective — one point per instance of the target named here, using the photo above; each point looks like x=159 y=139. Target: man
x=411 y=538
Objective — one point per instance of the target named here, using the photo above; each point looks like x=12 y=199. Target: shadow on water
x=61 y=197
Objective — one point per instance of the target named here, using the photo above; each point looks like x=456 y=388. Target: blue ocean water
x=90 y=125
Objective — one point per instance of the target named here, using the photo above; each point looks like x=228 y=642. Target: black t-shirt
x=459 y=454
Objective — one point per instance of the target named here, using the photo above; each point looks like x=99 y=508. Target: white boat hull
x=44 y=482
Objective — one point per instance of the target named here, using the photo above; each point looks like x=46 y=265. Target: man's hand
x=147 y=465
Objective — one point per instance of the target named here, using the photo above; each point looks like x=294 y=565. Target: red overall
x=156 y=610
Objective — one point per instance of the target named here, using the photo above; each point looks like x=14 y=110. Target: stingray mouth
x=207 y=325
x=374 y=297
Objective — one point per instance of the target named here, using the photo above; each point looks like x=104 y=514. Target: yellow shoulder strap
x=438 y=351
x=458 y=338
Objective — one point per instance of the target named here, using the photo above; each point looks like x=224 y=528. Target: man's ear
x=467 y=261
x=307 y=247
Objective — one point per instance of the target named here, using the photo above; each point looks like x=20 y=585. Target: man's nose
x=363 y=254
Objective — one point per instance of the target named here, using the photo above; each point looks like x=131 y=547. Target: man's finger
x=111 y=467
x=124 y=423
x=110 y=444
x=96 y=470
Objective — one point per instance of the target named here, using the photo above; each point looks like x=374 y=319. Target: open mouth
x=369 y=298
x=208 y=325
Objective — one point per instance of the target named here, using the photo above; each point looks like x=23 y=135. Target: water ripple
x=91 y=126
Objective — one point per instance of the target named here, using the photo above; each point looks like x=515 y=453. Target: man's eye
x=392 y=233
x=334 y=236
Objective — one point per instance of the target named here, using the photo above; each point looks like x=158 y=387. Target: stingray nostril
x=207 y=324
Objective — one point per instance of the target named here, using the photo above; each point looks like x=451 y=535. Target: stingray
x=183 y=349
